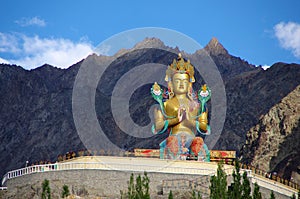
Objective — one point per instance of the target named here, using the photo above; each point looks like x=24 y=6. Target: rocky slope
x=228 y=65
x=273 y=144
x=35 y=115
x=251 y=95
x=36 y=118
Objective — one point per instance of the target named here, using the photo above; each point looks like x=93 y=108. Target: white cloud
x=288 y=35
x=9 y=43
x=34 y=21
x=31 y=52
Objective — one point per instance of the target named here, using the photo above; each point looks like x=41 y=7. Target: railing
x=105 y=166
x=272 y=177
x=273 y=185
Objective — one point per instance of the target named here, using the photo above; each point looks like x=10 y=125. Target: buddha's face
x=180 y=83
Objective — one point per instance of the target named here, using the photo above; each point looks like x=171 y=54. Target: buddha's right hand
x=181 y=114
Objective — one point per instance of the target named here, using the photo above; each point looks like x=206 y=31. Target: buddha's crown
x=180 y=66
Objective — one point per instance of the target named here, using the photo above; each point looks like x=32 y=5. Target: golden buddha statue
x=182 y=114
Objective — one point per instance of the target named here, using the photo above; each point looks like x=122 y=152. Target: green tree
x=46 y=191
x=138 y=187
x=256 y=192
x=170 y=195
x=131 y=188
x=218 y=184
x=65 y=192
x=139 y=190
x=146 y=182
x=272 y=196
x=246 y=189
x=235 y=189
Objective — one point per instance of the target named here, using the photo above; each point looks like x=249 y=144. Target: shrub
x=46 y=194
x=65 y=192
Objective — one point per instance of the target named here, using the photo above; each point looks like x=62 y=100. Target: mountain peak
x=150 y=43
x=215 y=47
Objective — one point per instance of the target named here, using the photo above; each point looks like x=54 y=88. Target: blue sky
x=63 y=32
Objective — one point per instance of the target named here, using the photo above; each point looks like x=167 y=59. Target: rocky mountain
x=228 y=65
x=35 y=115
x=273 y=143
x=251 y=95
x=36 y=112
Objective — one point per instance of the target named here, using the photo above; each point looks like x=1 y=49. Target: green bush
x=256 y=192
x=218 y=184
x=65 y=192
x=170 y=195
x=246 y=189
x=272 y=196
x=46 y=193
x=140 y=189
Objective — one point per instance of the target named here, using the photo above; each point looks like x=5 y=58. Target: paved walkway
x=148 y=164
x=141 y=164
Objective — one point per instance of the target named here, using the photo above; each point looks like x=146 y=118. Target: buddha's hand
x=159 y=119
x=181 y=114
